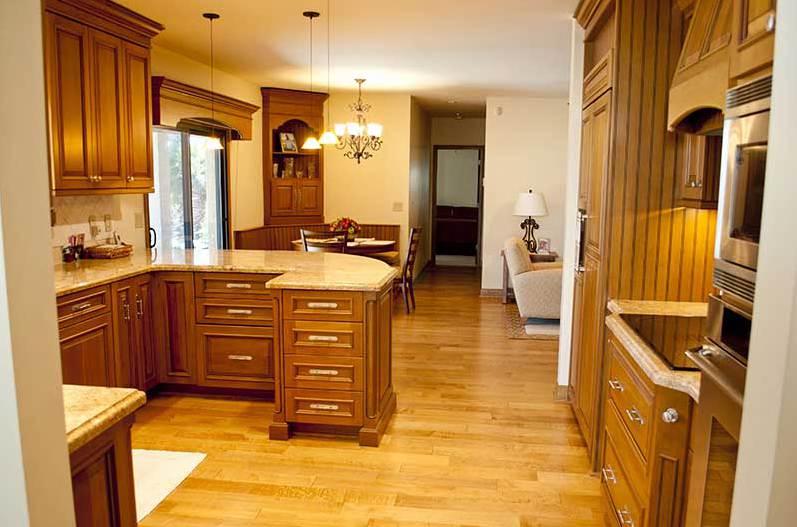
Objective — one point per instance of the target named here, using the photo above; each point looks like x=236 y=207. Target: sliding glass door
x=188 y=209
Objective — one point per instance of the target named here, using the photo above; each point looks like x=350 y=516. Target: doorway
x=457 y=195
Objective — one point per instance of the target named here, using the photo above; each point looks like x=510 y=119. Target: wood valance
x=173 y=102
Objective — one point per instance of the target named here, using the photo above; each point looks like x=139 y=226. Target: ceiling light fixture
x=311 y=143
x=213 y=142
x=328 y=137
x=359 y=136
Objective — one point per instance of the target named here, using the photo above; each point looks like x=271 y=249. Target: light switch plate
x=139 y=220
x=398 y=206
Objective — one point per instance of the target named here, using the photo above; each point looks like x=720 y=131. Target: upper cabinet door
x=108 y=113
x=138 y=117
x=600 y=116
x=753 y=36
x=68 y=96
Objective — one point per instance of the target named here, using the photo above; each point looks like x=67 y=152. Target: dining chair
x=324 y=242
x=405 y=280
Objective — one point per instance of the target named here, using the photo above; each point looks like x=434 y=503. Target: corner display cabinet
x=293 y=179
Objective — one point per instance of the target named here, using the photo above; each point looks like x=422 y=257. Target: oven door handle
x=703 y=357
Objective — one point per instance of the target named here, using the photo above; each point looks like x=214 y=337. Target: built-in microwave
x=745 y=138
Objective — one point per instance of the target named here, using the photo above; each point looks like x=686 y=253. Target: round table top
x=360 y=246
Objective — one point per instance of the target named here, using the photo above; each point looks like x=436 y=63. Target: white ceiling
x=437 y=50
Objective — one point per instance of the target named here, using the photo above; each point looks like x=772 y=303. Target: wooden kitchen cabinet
x=87 y=355
x=98 y=96
x=175 y=327
x=753 y=37
x=698 y=165
x=134 y=336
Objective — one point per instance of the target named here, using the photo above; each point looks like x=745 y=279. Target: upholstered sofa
x=538 y=287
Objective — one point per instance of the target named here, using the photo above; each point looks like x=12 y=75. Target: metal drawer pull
x=322 y=305
x=81 y=307
x=608 y=475
x=624 y=515
x=330 y=373
x=240 y=357
x=616 y=385
x=322 y=338
x=634 y=415
x=670 y=415
x=319 y=406
x=236 y=285
x=239 y=311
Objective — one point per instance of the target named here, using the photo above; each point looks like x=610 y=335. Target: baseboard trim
x=491 y=292
x=561 y=394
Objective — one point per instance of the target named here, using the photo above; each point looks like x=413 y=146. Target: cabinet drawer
x=233 y=285
x=329 y=373
x=235 y=311
x=632 y=399
x=235 y=357
x=324 y=407
x=83 y=305
x=624 y=504
x=323 y=338
x=344 y=306
x=616 y=433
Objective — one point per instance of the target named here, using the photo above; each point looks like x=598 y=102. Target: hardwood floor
x=477 y=439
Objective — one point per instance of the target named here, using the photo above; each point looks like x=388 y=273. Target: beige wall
x=372 y=191
x=420 y=180
x=525 y=148
x=766 y=475
x=450 y=131
x=246 y=176
x=35 y=483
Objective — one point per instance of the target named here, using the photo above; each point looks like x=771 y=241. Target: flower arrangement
x=345 y=224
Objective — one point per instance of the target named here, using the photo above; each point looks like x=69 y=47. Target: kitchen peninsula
x=313 y=328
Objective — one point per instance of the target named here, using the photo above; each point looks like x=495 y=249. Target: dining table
x=358 y=246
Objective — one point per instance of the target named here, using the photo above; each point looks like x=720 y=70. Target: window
x=188 y=209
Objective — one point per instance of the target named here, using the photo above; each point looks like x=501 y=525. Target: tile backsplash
x=72 y=214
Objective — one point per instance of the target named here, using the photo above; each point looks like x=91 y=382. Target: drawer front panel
x=324 y=407
x=235 y=311
x=346 y=306
x=624 y=503
x=323 y=338
x=83 y=305
x=233 y=285
x=235 y=357
x=632 y=400
x=615 y=431
x=326 y=373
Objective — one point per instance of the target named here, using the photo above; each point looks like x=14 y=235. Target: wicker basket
x=108 y=251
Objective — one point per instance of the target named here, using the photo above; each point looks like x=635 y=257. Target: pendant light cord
x=329 y=68
x=212 y=93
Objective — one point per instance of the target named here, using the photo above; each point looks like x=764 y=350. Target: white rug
x=157 y=473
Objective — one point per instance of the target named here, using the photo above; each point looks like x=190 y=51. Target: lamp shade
x=531 y=204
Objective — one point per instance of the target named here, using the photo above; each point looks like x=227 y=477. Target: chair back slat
x=412 y=252
x=325 y=242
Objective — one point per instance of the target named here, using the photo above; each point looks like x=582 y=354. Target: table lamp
x=530 y=204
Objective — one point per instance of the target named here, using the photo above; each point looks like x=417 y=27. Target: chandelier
x=359 y=137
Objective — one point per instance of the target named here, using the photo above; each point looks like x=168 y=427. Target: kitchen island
x=313 y=330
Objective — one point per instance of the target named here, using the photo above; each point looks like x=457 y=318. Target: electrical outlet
x=108 y=223
x=398 y=206
x=139 y=220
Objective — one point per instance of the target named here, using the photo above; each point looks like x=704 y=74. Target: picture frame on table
x=288 y=142
x=544 y=246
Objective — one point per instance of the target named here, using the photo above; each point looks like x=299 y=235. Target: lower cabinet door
x=236 y=357
x=87 y=352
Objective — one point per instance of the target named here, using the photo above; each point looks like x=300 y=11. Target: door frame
x=479 y=199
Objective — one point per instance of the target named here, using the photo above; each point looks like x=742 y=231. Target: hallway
x=477 y=438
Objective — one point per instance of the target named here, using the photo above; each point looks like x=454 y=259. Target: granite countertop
x=647 y=359
x=91 y=410
x=297 y=270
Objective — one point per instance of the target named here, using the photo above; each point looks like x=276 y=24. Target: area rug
x=518 y=329
x=157 y=473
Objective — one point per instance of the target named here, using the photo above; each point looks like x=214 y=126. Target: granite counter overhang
x=648 y=360
x=296 y=270
x=91 y=410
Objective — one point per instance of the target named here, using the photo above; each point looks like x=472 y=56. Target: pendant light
x=328 y=137
x=311 y=143
x=213 y=142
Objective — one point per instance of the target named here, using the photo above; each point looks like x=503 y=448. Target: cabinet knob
x=670 y=415
x=130 y=179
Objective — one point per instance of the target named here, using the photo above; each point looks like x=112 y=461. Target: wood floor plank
x=477 y=439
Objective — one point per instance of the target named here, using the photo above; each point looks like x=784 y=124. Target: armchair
x=538 y=287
